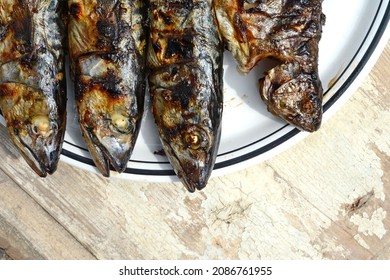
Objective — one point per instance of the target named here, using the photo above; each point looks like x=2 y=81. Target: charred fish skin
x=185 y=56
x=288 y=30
x=32 y=79
x=107 y=51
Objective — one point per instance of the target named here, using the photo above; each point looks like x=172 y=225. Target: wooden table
x=327 y=197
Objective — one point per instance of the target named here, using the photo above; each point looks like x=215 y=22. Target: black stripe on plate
x=334 y=98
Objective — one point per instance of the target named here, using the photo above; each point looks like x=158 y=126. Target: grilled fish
x=32 y=79
x=185 y=56
x=107 y=51
x=288 y=30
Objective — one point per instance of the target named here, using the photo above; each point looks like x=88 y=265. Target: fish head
x=189 y=130
x=293 y=95
x=109 y=128
x=191 y=151
x=39 y=139
x=34 y=127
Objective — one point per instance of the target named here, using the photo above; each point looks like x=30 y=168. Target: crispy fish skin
x=32 y=79
x=107 y=50
x=288 y=30
x=185 y=60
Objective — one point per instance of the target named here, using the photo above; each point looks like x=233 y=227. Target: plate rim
x=169 y=174
x=292 y=132
x=290 y=136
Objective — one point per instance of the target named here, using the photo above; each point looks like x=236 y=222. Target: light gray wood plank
x=117 y=219
x=345 y=170
x=383 y=254
x=28 y=232
x=3 y=255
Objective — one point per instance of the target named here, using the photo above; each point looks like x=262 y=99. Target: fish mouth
x=192 y=175
x=43 y=159
x=107 y=151
x=191 y=171
x=195 y=184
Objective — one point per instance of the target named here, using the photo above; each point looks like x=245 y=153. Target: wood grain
x=28 y=232
x=327 y=197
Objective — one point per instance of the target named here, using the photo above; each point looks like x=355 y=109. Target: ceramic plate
x=353 y=37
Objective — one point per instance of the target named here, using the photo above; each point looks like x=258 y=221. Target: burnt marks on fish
x=75 y=10
x=185 y=80
x=182 y=93
x=294 y=97
x=182 y=47
x=290 y=32
x=32 y=79
x=15 y=32
x=107 y=49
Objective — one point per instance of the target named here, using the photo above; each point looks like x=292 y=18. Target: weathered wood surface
x=327 y=197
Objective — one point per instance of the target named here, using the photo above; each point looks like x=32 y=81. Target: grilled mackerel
x=107 y=50
x=32 y=79
x=185 y=60
x=288 y=30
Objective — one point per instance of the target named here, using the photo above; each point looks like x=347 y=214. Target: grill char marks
x=32 y=79
x=290 y=32
x=107 y=50
x=185 y=62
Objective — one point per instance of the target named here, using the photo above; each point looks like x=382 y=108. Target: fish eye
x=120 y=122
x=35 y=129
x=41 y=125
x=196 y=138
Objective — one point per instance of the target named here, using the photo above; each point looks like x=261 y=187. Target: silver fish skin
x=185 y=55
x=32 y=79
x=289 y=31
x=107 y=51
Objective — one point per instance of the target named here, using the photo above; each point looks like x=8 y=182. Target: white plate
x=353 y=37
